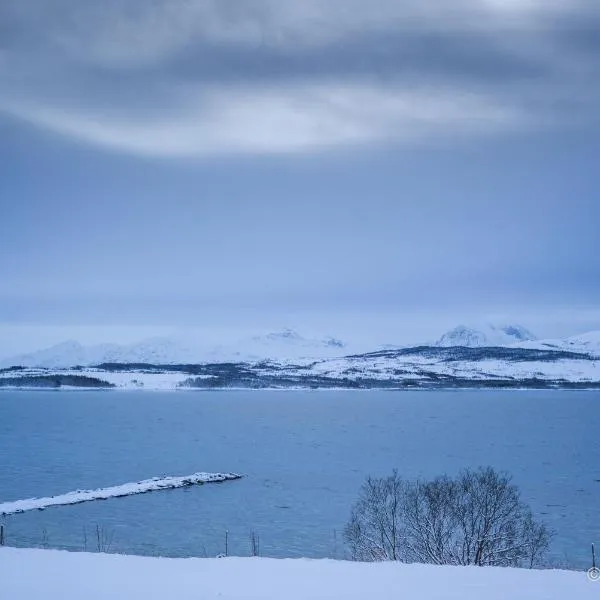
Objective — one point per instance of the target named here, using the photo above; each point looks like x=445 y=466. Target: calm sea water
x=304 y=455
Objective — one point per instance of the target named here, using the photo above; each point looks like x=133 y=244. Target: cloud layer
x=200 y=77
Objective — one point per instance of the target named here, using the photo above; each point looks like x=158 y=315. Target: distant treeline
x=54 y=381
x=316 y=382
x=463 y=353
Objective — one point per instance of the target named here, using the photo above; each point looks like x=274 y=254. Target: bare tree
x=335 y=544
x=537 y=539
x=430 y=522
x=375 y=528
x=104 y=538
x=254 y=544
x=45 y=540
x=477 y=518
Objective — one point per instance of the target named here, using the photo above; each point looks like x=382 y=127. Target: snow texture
x=117 y=491
x=56 y=575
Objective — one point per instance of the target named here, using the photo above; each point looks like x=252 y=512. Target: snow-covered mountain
x=486 y=336
x=285 y=346
x=281 y=345
x=288 y=339
x=71 y=353
x=68 y=353
x=519 y=337
x=587 y=343
x=409 y=368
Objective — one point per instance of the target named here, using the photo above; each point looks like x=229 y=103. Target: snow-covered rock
x=488 y=335
x=116 y=491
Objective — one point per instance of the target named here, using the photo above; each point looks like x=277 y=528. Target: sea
x=303 y=455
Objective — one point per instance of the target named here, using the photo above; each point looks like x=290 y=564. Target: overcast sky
x=391 y=167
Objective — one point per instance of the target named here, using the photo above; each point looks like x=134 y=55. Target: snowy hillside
x=285 y=359
x=425 y=367
x=461 y=366
x=54 y=575
x=488 y=335
x=588 y=343
x=285 y=344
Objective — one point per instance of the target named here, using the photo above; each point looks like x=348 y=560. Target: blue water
x=304 y=455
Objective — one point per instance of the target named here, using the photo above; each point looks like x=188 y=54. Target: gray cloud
x=361 y=162
x=199 y=77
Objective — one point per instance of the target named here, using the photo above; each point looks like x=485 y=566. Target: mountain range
x=284 y=345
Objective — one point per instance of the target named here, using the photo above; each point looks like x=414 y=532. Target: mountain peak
x=284 y=334
x=334 y=343
x=489 y=335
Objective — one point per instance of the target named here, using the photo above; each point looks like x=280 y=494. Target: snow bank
x=56 y=575
x=117 y=491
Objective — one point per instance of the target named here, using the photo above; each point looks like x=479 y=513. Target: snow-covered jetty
x=117 y=491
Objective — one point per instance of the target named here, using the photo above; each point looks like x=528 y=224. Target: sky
x=383 y=169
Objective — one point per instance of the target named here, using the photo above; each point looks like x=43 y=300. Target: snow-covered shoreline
x=53 y=574
x=118 y=491
x=425 y=367
x=176 y=391
x=363 y=372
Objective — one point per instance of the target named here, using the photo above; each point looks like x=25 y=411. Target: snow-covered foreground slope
x=56 y=575
x=117 y=491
